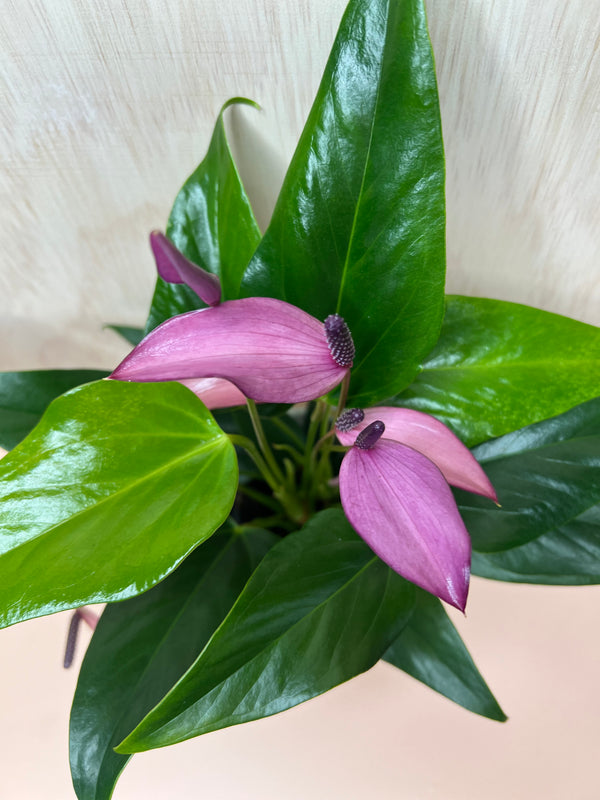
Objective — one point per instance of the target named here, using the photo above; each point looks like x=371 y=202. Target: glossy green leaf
x=132 y=335
x=212 y=224
x=548 y=480
x=545 y=476
x=319 y=609
x=142 y=646
x=113 y=488
x=499 y=366
x=24 y=396
x=431 y=650
x=568 y=555
x=359 y=224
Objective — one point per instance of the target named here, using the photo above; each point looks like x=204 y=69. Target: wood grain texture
x=106 y=107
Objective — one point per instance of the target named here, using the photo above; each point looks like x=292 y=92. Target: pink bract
x=271 y=350
x=401 y=505
x=431 y=438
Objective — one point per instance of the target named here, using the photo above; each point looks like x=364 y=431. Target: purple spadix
x=369 y=437
x=339 y=340
x=349 y=419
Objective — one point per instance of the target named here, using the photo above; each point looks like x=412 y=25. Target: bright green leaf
x=142 y=646
x=431 y=650
x=359 y=225
x=24 y=396
x=545 y=476
x=212 y=224
x=113 y=488
x=498 y=366
x=319 y=609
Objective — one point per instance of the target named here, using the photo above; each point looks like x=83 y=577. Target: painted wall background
x=106 y=108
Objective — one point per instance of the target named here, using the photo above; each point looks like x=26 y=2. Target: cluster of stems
x=303 y=481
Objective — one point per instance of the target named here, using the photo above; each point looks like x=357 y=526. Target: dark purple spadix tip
x=370 y=436
x=339 y=340
x=349 y=419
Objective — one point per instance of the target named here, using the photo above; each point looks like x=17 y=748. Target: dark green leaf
x=319 y=609
x=359 y=224
x=548 y=481
x=212 y=224
x=568 y=555
x=545 y=476
x=498 y=366
x=142 y=646
x=113 y=488
x=132 y=335
x=24 y=396
x=431 y=650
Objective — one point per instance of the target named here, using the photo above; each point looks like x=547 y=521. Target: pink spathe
x=216 y=392
x=431 y=438
x=174 y=267
x=399 y=502
x=271 y=350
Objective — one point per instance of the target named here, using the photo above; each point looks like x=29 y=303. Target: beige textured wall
x=106 y=107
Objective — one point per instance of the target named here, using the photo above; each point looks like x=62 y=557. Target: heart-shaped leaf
x=545 y=476
x=212 y=224
x=431 y=650
x=359 y=225
x=24 y=396
x=142 y=646
x=499 y=366
x=319 y=609
x=113 y=488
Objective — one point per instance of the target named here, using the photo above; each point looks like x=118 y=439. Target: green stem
x=260 y=497
x=262 y=440
x=279 y=423
x=343 y=394
x=313 y=428
x=287 y=448
x=252 y=450
x=322 y=441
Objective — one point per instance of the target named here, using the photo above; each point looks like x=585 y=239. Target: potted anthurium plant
x=261 y=490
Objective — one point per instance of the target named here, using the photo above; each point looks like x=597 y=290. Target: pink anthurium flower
x=216 y=392
x=399 y=502
x=428 y=436
x=271 y=350
x=174 y=267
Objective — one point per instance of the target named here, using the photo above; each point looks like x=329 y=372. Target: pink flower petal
x=400 y=504
x=216 y=392
x=272 y=351
x=174 y=267
x=432 y=438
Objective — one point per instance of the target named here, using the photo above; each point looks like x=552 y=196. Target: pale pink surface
x=400 y=504
x=88 y=616
x=272 y=351
x=216 y=392
x=174 y=267
x=431 y=437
